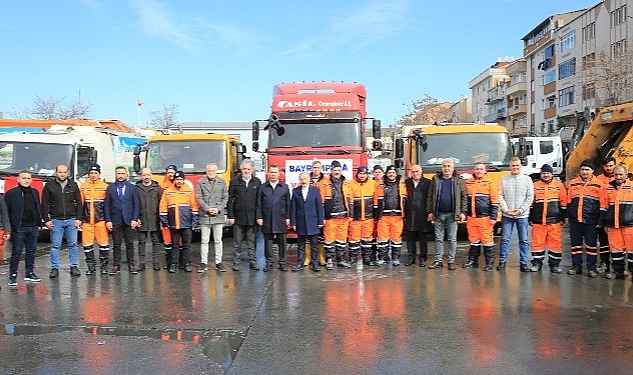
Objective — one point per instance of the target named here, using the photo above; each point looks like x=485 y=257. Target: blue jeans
x=445 y=223
x=522 y=228
x=60 y=229
x=24 y=237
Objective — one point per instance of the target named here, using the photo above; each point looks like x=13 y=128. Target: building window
x=551 y=102
x=589 y=61
x=568 y=41
x=619 y=16
x=549 y=51
x=589 y=32
x=549 y=77
x=567 y=69
x=588 y=91
x=550 y=129
x=566 y=96
x=618 y=48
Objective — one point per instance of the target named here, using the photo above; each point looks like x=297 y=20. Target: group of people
x=363 y=216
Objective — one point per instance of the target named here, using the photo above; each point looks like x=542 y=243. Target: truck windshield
x=188 y=156
x=313 y=134
x=40 y=159
x=465 y=149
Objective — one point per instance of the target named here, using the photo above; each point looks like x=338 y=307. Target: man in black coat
x=415 y=216
x=273 y=206
x=149 y=193
x=241 y=213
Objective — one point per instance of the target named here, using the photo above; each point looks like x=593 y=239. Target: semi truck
x=322 y=121
x=610 y=134
x=77 y=147
x=191 y=153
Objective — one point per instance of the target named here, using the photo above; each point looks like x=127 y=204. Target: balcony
x=517 y=88
x=549 y=112
x=549 y=88
x=501 y=113
x=517 y=109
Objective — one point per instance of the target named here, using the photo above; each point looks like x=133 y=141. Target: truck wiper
x=492 y=167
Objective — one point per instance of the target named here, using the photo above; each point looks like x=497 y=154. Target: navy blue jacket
x=15 y=204
x=119 y=211
x=306 y=214
x=273 y=207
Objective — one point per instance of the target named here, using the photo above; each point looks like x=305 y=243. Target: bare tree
x=50 y=108
x=164 y=118
x=427 y=110
x=612 y=76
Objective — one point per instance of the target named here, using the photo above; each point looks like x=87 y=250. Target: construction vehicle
x=536 y=151
x=77 y=147
x=609 y=135
x=191 y=153
x=322 y=121
x=428 y=145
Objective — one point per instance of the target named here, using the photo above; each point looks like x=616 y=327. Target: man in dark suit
x=415 y=216
x=241 y=213
x=306 y=218
x=273 y=204
x=122 y=211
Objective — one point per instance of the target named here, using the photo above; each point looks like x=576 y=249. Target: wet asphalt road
x=389 y=320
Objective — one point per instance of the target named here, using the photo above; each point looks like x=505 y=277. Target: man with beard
x=179 y=212
x=336 y=198
x=606 y=177
x=149 y=193
x=483 y=208
x=93 y=227
x=361 y=228
x=618 y=221
x=391 y=195
x=546 y=217
x=168 y=181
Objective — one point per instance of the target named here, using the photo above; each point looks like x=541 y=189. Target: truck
x=322 y=121
x=466 y=144
x=77 y=147
x=34 y=126
x=536 y=151
x=609 y=134
x=191 y=153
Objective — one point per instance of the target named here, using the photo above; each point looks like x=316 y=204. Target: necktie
x=120 y=191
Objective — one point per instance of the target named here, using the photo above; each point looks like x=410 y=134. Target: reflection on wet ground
x=370 y=321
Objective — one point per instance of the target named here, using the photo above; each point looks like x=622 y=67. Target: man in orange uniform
x=547 y=213
x=336 y=197
x=390 y=197
x=618 y=221
x=93 y=225
x=483 y=208
x=606 y=177
x=179 y=212
x=361 y=228
x=168 y=181
x=586 y=204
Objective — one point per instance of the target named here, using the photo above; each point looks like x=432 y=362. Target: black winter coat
x=149 y=197
x=243 y=200
x=273 y=207
x=415 y=213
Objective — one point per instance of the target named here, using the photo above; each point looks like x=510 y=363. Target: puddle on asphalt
x=219 y=346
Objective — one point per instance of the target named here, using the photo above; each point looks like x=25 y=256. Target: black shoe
x=422 y=263
x=236 y=268
x=409 y=262
x=268 y=267
x=220 y=267
x=451 y=266
x=524 y=267
x=501 y=266
x=54 y=273
x=435 y=265
x=74 y=271
x=156 y=267
x=297 y=268
x=316 y=268
x=202 y=267
x=104 y=270
x=91 y=270
x=488 y=268
x=173 y=268
x=132 y=269
x=188 y=267
x=254 y=267
x=114 y=270
x=283 y=268
x=141 y=267
x=470 y=264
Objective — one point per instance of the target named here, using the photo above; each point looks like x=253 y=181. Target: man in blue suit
x=122 y=207
x=306 y=218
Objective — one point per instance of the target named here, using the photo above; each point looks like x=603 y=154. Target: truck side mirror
x=399 y=148
x=136 y=163
x=255 y=129
x=376 y=145
x=255 y=146
x=375 y=129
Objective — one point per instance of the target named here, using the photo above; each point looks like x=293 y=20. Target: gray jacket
x=516 y=192
x=212 y=197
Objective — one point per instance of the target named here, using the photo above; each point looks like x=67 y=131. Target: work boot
x=473 y=257
x=268 y=267
x=489 y=255
x=103 y=260
x=141 y=267
x=91 y=262
x=329 y=265
x=470 y=264
x=536 y=266
x=501 y=266
x=173 y=268
x=187 y=266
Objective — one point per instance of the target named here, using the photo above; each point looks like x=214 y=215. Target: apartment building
x=516 y=96
x=462 y=110
x=488 y=93
x=562 y=54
